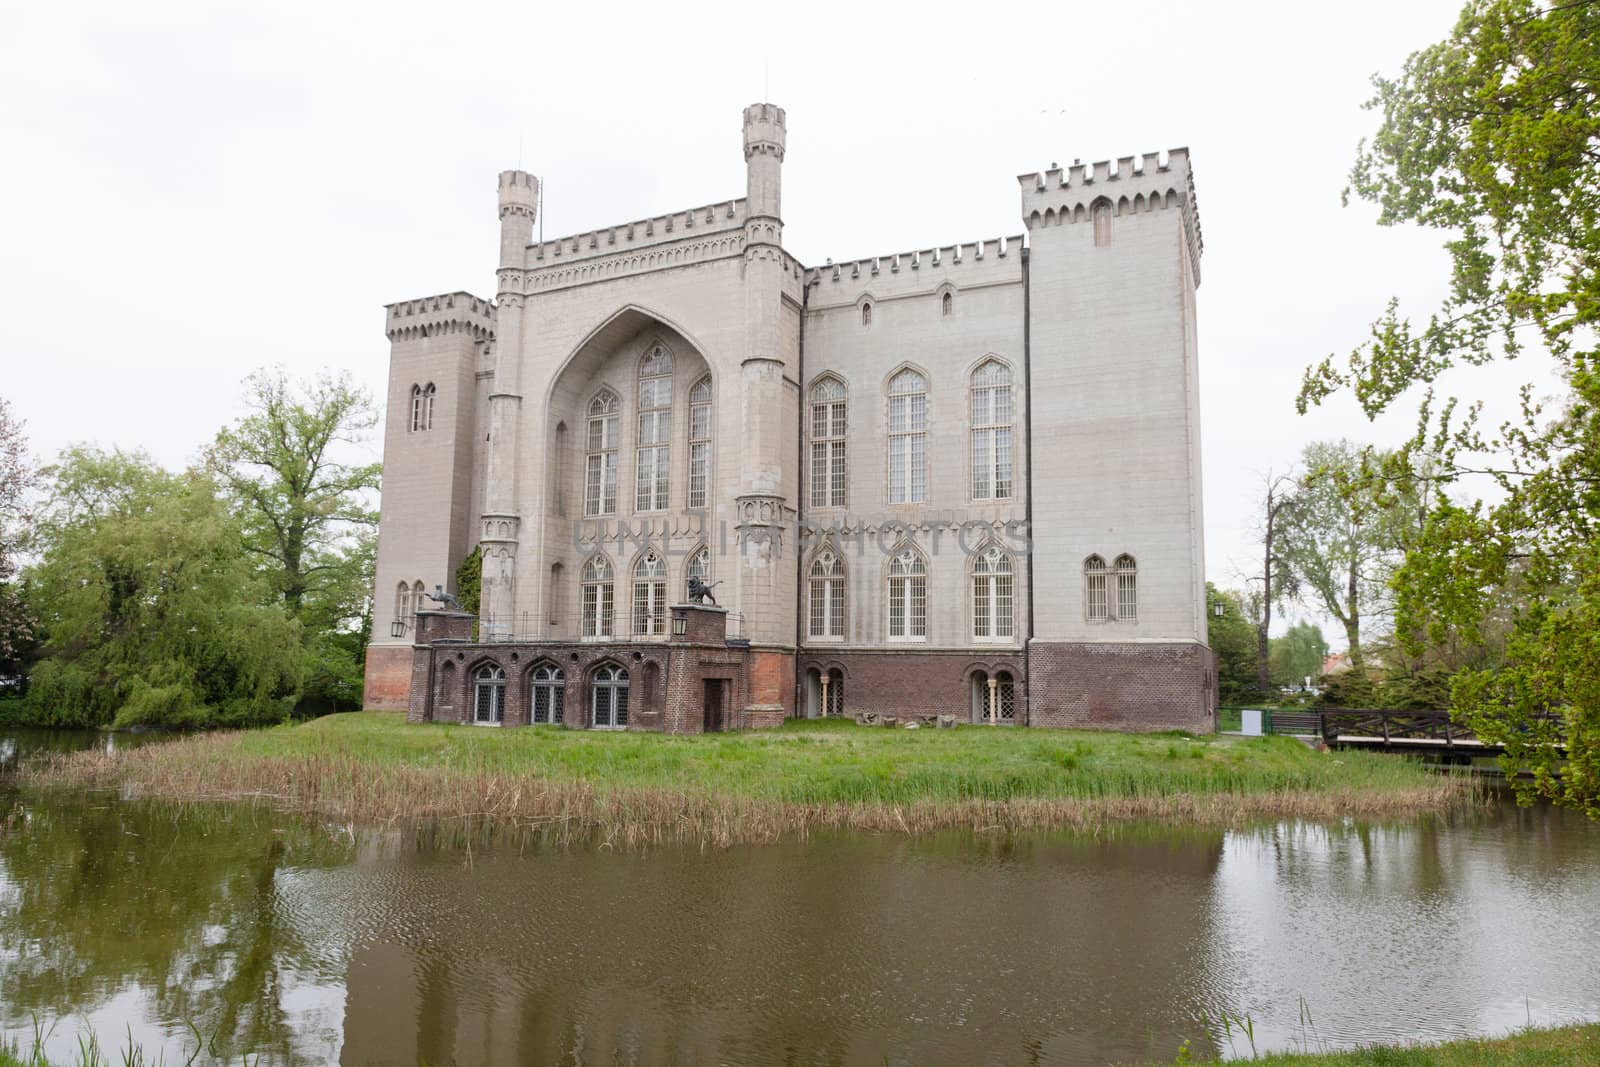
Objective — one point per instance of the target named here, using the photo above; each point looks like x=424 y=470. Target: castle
x=959 y=480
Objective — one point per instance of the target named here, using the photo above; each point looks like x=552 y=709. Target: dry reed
x=334 y=785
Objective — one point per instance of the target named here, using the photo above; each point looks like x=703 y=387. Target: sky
x=195 y=190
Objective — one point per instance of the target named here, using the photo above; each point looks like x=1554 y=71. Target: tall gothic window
x=826 y=580
x=700 y=443
x=549 y=694
x=828 y=407
x=993 y=595
x=908 y=438
x=650 y=595
x=599 y=598
x=1095 y=604
x=402 y=603
x=422 y=407
x=991 y=431
x=908 y=596
x=655 y=430
x=489 y=695
x=1127 y=573
x=600 y=466
x=1101 y=212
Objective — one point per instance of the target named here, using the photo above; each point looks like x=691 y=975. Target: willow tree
x=1492 y=136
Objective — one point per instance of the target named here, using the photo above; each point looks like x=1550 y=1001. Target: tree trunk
x=1263 y=682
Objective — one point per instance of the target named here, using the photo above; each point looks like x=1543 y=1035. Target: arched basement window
x=991 y=431
x=549 y=693
x=993 y=595
x=599 y=598
x=489 y=695
x=650 y=596
x=609 y=697
x=655 y=430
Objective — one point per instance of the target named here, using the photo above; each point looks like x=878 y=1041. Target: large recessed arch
x=616 y=330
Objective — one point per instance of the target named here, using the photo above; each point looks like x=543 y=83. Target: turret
x=519 y=206
x=764 y=136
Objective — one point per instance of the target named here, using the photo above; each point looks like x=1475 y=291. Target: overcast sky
x=194 y=190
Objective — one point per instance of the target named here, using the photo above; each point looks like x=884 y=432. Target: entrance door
x=715 y=712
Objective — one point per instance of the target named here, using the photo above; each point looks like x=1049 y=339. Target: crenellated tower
x=502 y=519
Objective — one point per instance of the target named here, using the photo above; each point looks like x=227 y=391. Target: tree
x=152 y=610
x=308 y=514
x=1298 y=654
x=1493 y=136
x=1344 y=538
x=1233 y=640
x=469 y=580
x=1276 y=581
x=17 y=476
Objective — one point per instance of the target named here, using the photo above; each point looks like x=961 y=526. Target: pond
x=305 y=942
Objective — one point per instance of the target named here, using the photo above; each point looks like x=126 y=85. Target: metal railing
x=530 y=627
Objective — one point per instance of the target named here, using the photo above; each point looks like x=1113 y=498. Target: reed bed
x=636 y=790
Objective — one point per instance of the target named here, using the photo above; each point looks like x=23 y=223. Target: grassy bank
x=1562 y=1046
x=635 y=788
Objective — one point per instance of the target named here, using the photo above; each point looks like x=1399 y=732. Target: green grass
x=1564 y=1046
x=836 y=761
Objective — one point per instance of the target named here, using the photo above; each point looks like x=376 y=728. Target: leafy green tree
x=1493 y=137
x=17 y=476
x=152 y=610
x=1343 y=540
x=1298 y=654
x=308 y=515
x=469 y=580
x=1233 y=639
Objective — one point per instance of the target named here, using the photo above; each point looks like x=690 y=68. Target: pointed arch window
x=402 y=604
x=908 y=438
x=699 y=566
x=828 y=410
x=991 y=431
x=422 y=407
x=908 y=597
x=993 y=595
x=489 y=695
x=1095 y=604
x=826 y=582
x=609 y=697
x=650 y=596
x=599 y=598
x=1127 y=575
x=700 y=443
x=655 y=430
x=1101 y=213
x=549 y=695
x=866 y=313
x=947 y=305
x=600 y=464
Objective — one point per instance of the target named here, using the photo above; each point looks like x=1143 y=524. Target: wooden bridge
x=1431 y=733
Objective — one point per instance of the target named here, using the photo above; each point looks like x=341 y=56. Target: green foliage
x=17 y=623
x=1233 y=638
x=1298 y=654
x=469 y=580
x=1493 y=136
x=152 y=610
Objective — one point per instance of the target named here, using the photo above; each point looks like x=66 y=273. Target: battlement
x=977 y=262
x=659 y=229
x=433 y=316
x=519 y=193
x=1132 y=185
x=765 y=130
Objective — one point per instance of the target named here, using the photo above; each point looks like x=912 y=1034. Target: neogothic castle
x=960 y=480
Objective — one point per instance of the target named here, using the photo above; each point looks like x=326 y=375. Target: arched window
x=549 y=694
x=402 y=604
x=416 y=408
x=1095 y=605
x=599 y=600
x=489 y=695
x=994 y=698
x=908 y=438
x=600 y=468
x=827 y=596
x=828 y=408
x=650 y=595
x=655 y=430
x=700 y=443
x=866 y=313
x=699 y=566
x=991 y=431
x=609 y=697
x=1127 y=572
x=428 y=392
x=908 y=597
x=993 y=595
x=1101 y=211
x=947 y=304
x=417 y=593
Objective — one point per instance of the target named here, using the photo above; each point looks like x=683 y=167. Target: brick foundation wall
x=387 y=682
x=1122 y=686
x=771 y=687
x=913 y=683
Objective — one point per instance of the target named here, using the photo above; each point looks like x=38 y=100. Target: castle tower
x=501 y=519
x=769 y=478
x=1113 y=265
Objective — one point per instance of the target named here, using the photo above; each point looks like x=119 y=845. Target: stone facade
x=962 y=480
